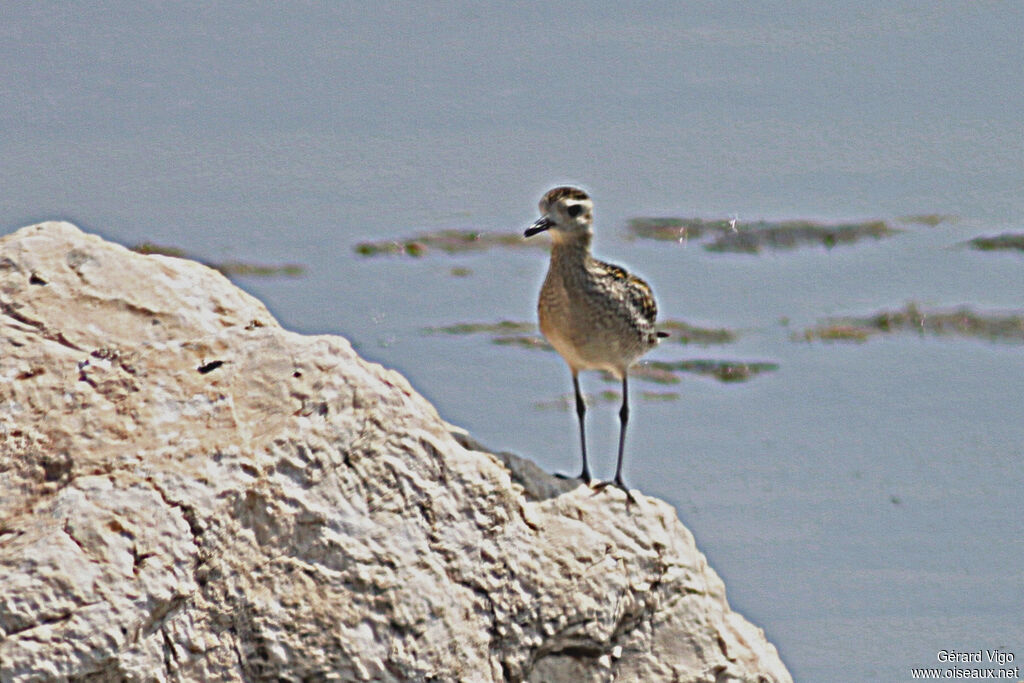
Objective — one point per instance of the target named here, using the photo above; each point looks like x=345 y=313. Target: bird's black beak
x=542 y=224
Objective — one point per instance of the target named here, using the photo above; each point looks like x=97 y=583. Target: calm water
x=863 y=502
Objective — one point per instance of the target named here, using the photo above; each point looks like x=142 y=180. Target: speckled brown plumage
x=597 y=315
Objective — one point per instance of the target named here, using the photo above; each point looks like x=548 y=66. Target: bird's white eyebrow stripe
x=566 y=193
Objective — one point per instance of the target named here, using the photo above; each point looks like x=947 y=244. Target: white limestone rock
x=190 y=492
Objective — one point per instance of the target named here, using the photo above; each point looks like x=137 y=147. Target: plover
x=597 y=316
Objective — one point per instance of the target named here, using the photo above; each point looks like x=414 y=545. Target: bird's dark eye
x=575 y=210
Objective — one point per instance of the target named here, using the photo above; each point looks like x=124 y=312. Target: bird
x=598 y=316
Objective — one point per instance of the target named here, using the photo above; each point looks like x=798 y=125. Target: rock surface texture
x=190 y=492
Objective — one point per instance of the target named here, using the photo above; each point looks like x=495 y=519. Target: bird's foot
x=617 y=483
x=583 y=476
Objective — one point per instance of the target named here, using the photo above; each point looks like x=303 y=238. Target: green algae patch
x=567 y=402
x=734 y=236
x=147 y=248
x=650 y=371
x=243 y=269
x=668 y=372
x=673 y=229
x=722 y=370
x=504 y=327
x=752 y=238
x=524 y=341
x=516 y=333
x=840 y=332
x=503 y=333
x=960 y=322
x=228 y=268
x=447 y=241
x=686 y=333
x=929 y=219
x=661 y=396
x=1010 y=241
x=524 y=335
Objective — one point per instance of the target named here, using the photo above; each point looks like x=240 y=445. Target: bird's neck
x=574 y=248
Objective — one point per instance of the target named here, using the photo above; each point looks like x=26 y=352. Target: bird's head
x=567 y=212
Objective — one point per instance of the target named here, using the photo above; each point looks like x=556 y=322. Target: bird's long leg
x=581 y=409
x=623 y=421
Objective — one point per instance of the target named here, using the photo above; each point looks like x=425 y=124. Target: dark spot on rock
x=36 y=280
x=30 y=373
x=76 y=258
x=105 y=353
x=56 y=467
x=209 y=367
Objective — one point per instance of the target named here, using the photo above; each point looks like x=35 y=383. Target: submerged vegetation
x=686 y=333
x=661 y=372
x=448 y=241
x=752 y=238
x=929 y=219
x=961 y=322
x=567 y=402
x=716 y=235
x=503 y=333
x=722 y=370
x=502 y=327
x=674 y=229
x=147 y=248
x=1006 y=241
x=228 y=268
x=242 y=269
x=525 y=341
x=836 y=331
x=524 y=335
x=791 y=234
x=508 y=332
